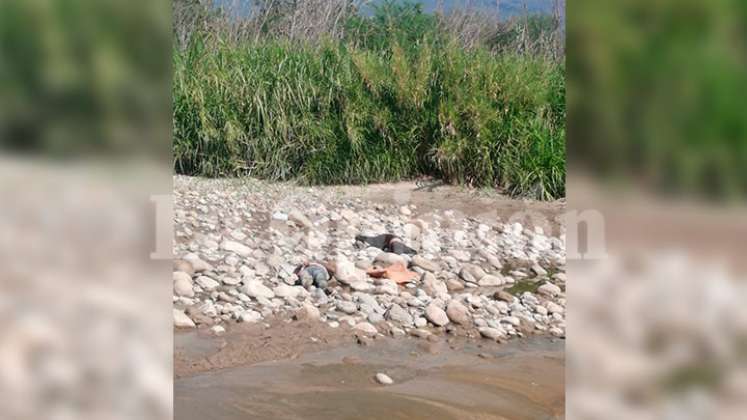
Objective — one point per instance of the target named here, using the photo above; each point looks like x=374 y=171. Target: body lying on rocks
x=387 y=242
x=311 y=273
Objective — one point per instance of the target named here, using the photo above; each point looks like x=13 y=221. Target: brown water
x=523 y=379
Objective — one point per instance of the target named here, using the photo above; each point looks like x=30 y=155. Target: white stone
x=436 y=315
x=285 y=291
x=491 y=333
x=207 y=283
x=236 y=247
x=366 y=328
x=549 y=289
x=183 y=284
x=255 y=289
x=250 y=316
x=383 y=379
x=181 y=319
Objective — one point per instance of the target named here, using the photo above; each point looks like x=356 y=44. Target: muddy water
x=523 y=379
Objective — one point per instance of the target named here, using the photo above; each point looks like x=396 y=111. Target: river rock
x=454 y=285
x=366 y=328
x=284 y=291
x=299 y=219
x=424 y=263
x=397 y=314
x=433 y=286
x=184 y=266
x=250 y=316
x=503 y=296
x=346 y=272
x=207 y=283
x=383 y=379
x=236 y=247
x=538 y=270
x=385 y=259
x=471 y=273
x=554 y=308
x=457 y=312
x=183 y=284
x=347 y=307
x=255 y=289
x=490 y=280
x=307 y=312
x=549 y=289
x=181 y=319
x=198 y=264
x=491 y=333
x=436 y=315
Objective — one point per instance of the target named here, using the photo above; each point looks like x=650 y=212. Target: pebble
x=383 y=379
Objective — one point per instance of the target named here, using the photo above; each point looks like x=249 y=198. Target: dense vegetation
x=657 y=94
x=393 y=96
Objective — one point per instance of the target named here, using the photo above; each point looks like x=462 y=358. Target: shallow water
x=523 y=379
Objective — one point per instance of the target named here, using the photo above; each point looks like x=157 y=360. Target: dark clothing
x=387 y=242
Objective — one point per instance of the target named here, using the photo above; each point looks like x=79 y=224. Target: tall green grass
x=328 y=113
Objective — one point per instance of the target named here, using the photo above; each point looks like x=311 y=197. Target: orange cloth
x=397 y=272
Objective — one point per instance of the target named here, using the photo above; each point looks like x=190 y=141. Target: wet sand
x=459 y=379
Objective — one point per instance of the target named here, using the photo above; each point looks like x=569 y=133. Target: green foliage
x=658 y=90
x=392 y=100
x=337 y=114
x=84 y=76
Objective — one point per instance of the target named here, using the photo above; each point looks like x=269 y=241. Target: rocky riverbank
x=238 y=243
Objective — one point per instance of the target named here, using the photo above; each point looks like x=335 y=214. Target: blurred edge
x=85 y=143
x=657 y=143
